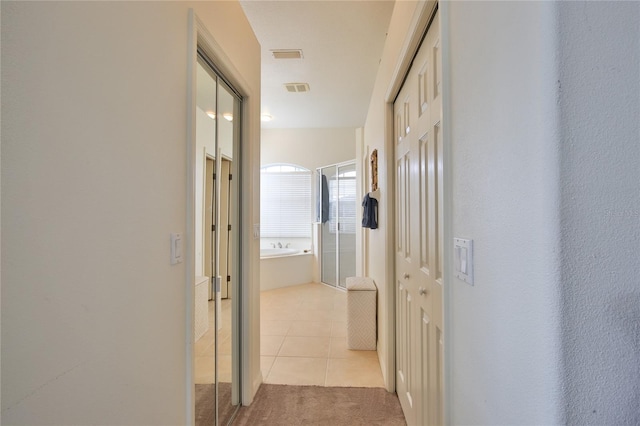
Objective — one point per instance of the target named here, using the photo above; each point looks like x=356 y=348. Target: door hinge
x=213 y=228
x=214 y=176
x=229 y=227
x=228 y=278
x=230 y=176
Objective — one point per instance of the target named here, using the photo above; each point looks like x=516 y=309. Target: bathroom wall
x=309 y=148
x=94 y=180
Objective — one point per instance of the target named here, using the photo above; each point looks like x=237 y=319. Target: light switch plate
x=176 y=248
x=463 y=259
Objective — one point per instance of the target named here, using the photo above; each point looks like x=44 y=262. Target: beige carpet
x=283 y=405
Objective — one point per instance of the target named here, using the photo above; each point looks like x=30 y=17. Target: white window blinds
x=285 y=202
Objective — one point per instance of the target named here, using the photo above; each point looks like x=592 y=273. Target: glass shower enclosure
x=336 y=213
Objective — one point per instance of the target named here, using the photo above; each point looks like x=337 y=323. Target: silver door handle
x=406 y=276
x=422 y=291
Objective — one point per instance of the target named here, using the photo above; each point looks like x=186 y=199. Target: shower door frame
x=319 y=171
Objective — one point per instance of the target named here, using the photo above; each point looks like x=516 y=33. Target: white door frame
x=415 y=33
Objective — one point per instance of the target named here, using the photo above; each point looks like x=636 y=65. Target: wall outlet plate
x=463 y=259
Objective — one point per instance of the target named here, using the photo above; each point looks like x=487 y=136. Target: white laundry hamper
x=361 y=314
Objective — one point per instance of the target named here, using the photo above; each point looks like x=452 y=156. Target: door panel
x=418 y=156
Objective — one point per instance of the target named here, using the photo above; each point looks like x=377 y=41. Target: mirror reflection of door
x=209 y=230
x=225 y=225
x=218 y=106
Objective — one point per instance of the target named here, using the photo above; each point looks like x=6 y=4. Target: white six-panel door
x=419 y=245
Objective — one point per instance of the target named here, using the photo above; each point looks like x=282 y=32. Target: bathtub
x=284 y=267
x=274 y=252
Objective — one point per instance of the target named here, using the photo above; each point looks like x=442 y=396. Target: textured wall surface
x=599 y=81
x=503 y=332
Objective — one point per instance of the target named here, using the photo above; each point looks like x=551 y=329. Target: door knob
x=422 y=291
x=406 y=276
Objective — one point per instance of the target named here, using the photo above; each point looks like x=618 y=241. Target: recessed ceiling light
x=211 y=114
x=266 y=117
x=228 y=116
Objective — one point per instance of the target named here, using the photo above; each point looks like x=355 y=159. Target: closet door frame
x=246 y=200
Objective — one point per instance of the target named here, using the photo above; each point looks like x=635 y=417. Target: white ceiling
x=342 y=43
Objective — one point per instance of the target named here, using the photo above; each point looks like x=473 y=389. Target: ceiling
x=342 y=44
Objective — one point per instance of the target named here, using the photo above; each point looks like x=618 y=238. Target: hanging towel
x=325 y=200
x=370 y=212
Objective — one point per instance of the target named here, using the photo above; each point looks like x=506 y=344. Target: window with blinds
x=285 y=201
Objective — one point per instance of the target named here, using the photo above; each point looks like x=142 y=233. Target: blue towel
x=370 y=212
x=323 y=207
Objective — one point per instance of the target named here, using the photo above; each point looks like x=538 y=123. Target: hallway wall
x=543 y=133
x=599 y=99
x=94 y=179
x=504 y=349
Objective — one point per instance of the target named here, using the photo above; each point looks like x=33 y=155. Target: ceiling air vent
x=297 y=87
x=287 y=54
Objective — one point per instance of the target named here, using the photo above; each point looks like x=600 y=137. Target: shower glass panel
x=346 y=223
x=329 y=221
x=337 y=213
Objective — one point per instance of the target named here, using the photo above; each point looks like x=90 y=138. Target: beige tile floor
x=303 y=340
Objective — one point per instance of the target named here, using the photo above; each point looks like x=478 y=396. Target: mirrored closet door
x=216 y=326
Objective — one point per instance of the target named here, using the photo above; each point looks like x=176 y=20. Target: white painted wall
x=94 y=99
x=542 y=126
x=310 y=148
x=599 y=100
x=504 y=354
